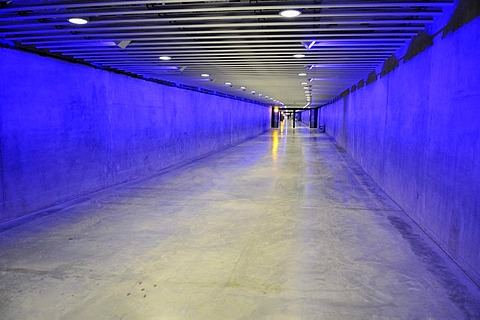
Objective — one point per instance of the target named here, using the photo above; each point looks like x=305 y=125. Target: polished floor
x=283 y=226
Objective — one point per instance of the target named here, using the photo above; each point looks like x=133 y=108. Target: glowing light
x=302 y=74
x=205 y=75
x=299 y=56
x=78 y=20
x=228 y=83
x=290 y=13
x=165 y=58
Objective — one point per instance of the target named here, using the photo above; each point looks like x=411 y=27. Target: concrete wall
x=67 y=129
x=416 y=132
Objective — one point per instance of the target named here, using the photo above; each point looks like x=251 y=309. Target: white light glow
x=299 y=56
x=205 y=75
x=290 y=13
x=78 y=20
x=302 y=74
x=165 y=58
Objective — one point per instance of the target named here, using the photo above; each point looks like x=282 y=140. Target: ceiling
x=244 y=43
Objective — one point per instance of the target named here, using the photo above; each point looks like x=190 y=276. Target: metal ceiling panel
x=243 y=42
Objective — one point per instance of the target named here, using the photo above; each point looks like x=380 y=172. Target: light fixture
x=253 y=92
x=260 y=94
x=165 y=58
x=242 y=88
x=302 y=74
x=78 y=20
x=299 y=56
x=306 y=88
x=205 y=75
x=304 y=83
x=290 y=13
x=228 y=83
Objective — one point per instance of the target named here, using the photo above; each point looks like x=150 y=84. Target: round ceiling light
x=290 y=13
x=165 y=58
x=78 y=20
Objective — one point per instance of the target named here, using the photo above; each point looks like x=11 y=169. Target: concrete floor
x=284 y=226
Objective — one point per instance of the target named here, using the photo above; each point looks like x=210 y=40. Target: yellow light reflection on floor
x=275 y=145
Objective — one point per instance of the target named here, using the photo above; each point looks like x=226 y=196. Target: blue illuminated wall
x=67 y=129
x=416 y=132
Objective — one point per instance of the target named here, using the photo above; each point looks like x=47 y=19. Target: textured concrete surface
x=416 y=133
x=68 y=129
x=284 y=226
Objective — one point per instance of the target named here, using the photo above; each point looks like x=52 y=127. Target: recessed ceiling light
x=306 y=88
x=228 y=83
x=266 y=97
x=242 y=88
x=290 y=13
x=302 y=74
x=78 y=20
x=299 y=56
x=260 y=94
x=304 y=83
x=205 y=75
x=252 y=92
x=165 y=58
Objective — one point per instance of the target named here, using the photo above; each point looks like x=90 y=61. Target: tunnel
x=239 y=159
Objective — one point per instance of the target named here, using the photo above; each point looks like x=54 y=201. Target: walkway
x=283 y=226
